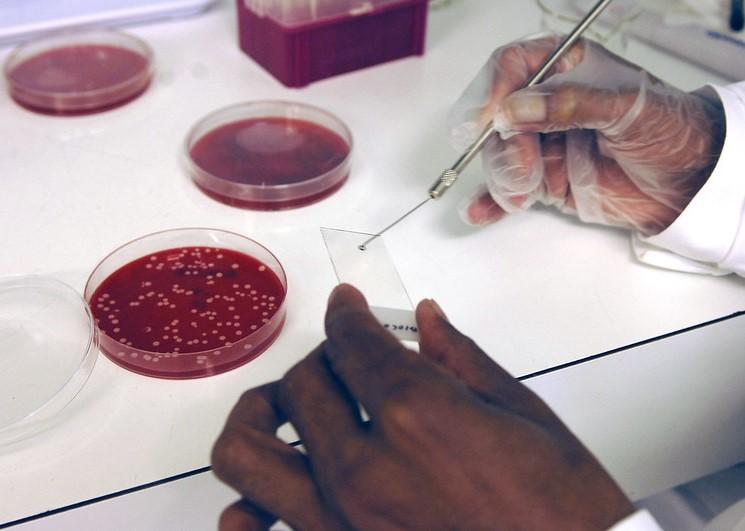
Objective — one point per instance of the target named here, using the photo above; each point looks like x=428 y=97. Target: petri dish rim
x=28 y=426
x=51 y=41
x=200 y=129
x=276 y=320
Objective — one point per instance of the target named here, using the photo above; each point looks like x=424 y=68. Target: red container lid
x=78 y=73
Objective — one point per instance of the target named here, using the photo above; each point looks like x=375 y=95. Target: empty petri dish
x=269 y=155
x=79 y=72
x=187 y=303
x=48 y=347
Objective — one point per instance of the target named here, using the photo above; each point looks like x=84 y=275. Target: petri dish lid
x=78 y=72
x=48 y=347
x=269 y=155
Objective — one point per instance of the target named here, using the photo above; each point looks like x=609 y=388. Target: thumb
x=552 y=108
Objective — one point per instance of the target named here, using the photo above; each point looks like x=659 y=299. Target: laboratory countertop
x=538 y=291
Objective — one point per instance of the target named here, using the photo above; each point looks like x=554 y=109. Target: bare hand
x=453 y=441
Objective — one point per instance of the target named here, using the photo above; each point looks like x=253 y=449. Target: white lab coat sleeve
x=639 y=521
x=709 y=235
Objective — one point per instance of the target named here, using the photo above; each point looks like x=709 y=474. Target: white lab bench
x=546 y=296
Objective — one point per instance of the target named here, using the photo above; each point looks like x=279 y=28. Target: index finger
x=374 y=366
x=243 y=516
x=514 y=65
x=269 y=474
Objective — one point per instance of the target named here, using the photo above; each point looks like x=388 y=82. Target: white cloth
x=639 y=521
x=709 y=235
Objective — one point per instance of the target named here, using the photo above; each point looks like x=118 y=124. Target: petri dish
x=187 y=303
x=269 y=155
x=48 y=347
x=79 y=72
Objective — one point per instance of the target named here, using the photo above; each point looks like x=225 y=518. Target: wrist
x=707 y=113
x=715 y=124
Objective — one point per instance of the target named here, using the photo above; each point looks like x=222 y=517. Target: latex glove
x=453 y=442
x=600 y=138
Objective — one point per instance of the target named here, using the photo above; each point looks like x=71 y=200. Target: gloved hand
x=600 y=138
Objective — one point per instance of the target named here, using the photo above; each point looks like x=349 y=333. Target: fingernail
x=479 y=210
x=438 y=310
x=501 y=123
x=471 y=213
x=525 y=108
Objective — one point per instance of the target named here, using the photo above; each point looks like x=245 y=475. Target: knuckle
x=231 y=452
x=402 y=407
x=345 y=325
x=566 y=102
x=576 y=53
x=393 y=357
x=292 y=378
x=247 y=397
x=249 y=401
x=455 y=341
x=461 y=346
x=256 y=410
x=510 y=57
x=519 y=174
x=516 y=170
x=464 y=342
x=293 y=383
x=233 y=518
x=349 y=324
x=351 y=465
x=342 y=318
x=224 y=453
x=400 y=418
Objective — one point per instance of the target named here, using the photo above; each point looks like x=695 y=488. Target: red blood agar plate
x=187 y=303
x=48 y=347
x=269 y=155
x=79 y=72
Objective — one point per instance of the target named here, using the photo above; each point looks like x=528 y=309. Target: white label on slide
x=400 y=323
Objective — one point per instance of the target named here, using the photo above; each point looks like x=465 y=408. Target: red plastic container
x=301 y=44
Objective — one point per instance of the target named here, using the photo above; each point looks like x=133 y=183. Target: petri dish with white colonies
x=187 y=303
x=79 y=72
x=48 y=347
x=269 y=155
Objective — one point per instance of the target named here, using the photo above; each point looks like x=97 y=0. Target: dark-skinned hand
x=453 y=441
